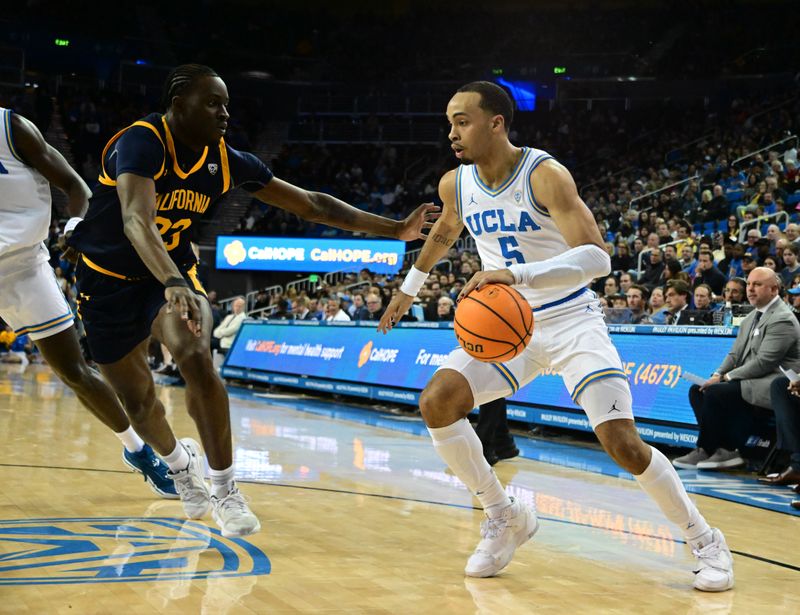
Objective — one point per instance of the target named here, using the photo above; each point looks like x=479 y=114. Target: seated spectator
x=677 y=297
x=375 y=307
x=654 y=273
x=658 y=306
x=637 y=299
x=445 y=311
x=315 y=310
x=334 y=311
x=229 y=327
x=625 y=282
x=725 y=405
x=300 y=309
x=617 y=311
x=790 y=265
x=708 y=274
x=735 y=291
x=262 y=301
x=785 y=402
x=358 y=309
x=282 y=311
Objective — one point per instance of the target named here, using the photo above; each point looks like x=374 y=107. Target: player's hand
x=794 y=388
x=67 y=253
x=482 y=278
x=710 y=381
x=398 y=307
x=181 y=299
x=421 y=220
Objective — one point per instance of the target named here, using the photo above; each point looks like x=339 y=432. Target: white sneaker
x=233 y=516
x=714 y=572
x=191 y=483
x=500 y=537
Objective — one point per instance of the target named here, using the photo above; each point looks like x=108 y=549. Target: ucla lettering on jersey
x=25 y=205
x=508 y=224
x=187 y=186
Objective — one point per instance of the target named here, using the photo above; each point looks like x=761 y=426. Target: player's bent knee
x=446 y=399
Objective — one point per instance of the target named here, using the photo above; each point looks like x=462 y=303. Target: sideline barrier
x=354 y=359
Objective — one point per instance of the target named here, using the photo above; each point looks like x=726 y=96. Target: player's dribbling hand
x=482 y=278
x=182 y=299
x=399 y=305
x=419 y=221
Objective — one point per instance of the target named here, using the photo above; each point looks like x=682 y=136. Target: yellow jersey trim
x=171 y=148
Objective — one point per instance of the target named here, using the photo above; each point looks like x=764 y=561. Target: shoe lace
x=708 y=555
x=234 y=502
x=492 y=528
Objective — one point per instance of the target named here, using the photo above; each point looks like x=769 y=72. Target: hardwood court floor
x=356 y=519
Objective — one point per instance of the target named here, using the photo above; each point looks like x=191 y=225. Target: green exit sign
x=559 y=70
x=497 y=71
x=62 y=42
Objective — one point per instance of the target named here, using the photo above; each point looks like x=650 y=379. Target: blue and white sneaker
x=154 y=470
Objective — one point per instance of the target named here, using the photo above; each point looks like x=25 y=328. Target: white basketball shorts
x=570 y=337
x=31 y=301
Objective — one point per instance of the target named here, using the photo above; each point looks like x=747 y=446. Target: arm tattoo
x=439 y=238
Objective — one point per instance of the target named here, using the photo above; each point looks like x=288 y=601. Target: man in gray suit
x=725 y=405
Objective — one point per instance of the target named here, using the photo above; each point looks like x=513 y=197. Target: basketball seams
x=493 y=311
x=512 y=351
x=517 y=297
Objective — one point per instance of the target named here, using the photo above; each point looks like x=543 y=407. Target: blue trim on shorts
x=46 y=325
x=600 y=374
x=507 y=376
x=547 y=306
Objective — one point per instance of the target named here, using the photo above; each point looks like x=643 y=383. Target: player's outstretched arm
x=587 y=259
x=137 y=197
x=443 y=235
x=325 y=209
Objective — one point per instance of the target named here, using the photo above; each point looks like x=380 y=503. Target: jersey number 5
x=507 y=245
x=165 y=226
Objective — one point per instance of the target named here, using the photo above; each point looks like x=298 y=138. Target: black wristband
x=176 y=281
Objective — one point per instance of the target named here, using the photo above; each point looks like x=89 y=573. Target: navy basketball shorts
x=118 y=314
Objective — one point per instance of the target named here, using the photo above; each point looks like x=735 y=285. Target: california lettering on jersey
x=188 y=200
x=187 y=185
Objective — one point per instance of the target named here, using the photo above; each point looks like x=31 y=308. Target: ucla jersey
x=25 y=204
x=187 y=186
x=508 y=224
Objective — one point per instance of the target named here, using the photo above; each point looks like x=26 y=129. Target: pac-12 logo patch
x=213 y=167
x=114 y=549
x=517 y=196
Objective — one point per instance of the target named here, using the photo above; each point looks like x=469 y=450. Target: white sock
x=661 y=482
x=133 y=443
x=178 y=459
x=222 y=482
x=460 y=448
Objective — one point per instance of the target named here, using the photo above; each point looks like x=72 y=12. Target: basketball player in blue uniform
x=31 y=301
x=137 y=274
x=534 y=232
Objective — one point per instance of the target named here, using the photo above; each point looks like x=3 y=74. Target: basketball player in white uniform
x=31 y=301
x=534 y=232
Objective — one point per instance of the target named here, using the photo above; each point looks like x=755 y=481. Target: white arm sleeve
x=577 y=266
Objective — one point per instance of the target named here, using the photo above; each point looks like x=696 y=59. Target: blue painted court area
x=743 y=489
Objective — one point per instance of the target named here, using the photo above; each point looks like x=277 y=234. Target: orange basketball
x=494 y=324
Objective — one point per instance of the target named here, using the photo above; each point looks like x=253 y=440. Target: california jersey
x=187 y=185
x=25 y=202
x=508 y=224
